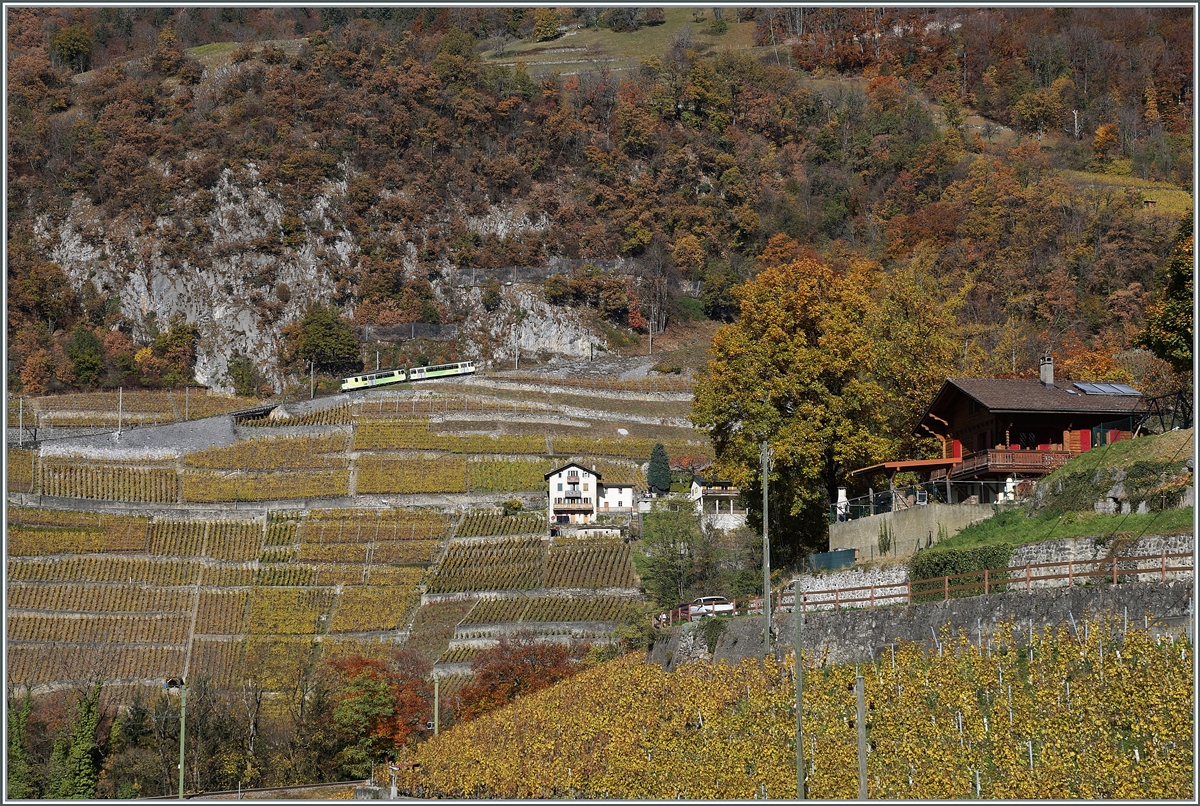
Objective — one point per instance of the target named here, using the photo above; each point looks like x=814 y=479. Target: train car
x=441 y=371
x=373 y=379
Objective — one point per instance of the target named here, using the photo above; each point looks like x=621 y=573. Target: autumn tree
x=795 y=371
x=379 y=707
x=515 y=667
x=322 y=337
x=1170 y=321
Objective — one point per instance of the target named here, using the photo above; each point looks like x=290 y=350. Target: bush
x=937 y=563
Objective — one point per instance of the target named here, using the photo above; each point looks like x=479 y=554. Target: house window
x=585 y=487
x=620 y=504
x=560 y=486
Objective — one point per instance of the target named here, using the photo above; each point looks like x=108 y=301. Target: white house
x=577 y=494
x=718 y=503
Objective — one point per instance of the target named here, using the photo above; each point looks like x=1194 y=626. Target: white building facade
x=577 y=494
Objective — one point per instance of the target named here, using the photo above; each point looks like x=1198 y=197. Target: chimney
x=1046 y=371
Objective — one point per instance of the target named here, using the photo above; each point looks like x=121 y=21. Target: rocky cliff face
x=234 y=261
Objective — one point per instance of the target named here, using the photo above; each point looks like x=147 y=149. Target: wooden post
x=1114 y=570
x=872 y=597
x=1070 y=573
x=1164 y=566
x=985 y=581
x=1026 y=577
x=946 y=585
x=907 y=592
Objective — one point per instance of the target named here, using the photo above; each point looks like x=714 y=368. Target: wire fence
x=405 y=332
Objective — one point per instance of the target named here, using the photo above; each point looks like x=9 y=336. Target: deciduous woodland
x=1034 y=161
x=858 y=202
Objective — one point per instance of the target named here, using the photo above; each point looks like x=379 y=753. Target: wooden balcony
x=997 y=462
x=568 y=506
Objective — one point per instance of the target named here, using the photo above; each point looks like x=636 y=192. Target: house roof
x=1028 y=395
x=591 y=470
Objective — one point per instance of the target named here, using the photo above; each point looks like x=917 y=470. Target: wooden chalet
x=1005 y=429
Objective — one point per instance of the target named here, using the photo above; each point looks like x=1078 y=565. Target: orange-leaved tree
x=515 y=667
x=379 y=707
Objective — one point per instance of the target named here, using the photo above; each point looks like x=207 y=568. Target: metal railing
x=915 y=495
x=974 y=583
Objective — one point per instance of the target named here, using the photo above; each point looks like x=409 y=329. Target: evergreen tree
x=74 y=762
x=20 y=778
x=659 y=474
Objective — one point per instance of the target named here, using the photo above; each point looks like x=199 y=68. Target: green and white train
x=386 y=377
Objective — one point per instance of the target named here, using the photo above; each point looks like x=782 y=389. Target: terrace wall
x=857 y=636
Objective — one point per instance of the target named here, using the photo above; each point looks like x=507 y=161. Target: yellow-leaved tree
x=830 y=362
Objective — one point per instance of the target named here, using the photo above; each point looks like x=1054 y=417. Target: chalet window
x=560 y=486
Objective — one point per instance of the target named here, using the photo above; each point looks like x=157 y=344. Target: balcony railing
x=1010 y=461
x=573 y=505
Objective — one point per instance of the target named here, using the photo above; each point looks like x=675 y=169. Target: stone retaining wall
x=818 y=588
x=856 y=635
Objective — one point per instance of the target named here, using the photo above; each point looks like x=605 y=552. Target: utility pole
x=798 y=615
x=768 y=457
x=182 y=730
x=120 y=407
x=436 y=716
x=186 y=402
x=862 y=737
x=311 y=379
x=21 y=422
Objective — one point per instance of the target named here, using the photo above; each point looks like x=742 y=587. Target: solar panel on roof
x=1107 y=389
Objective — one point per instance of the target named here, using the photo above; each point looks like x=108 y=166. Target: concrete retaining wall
x=854 y=636
x=909 y=528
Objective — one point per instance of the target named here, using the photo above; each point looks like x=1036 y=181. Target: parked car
x=710 y=606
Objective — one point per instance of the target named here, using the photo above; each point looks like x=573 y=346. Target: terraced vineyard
x=259 y=593
x=21 y=469
x=433 y=626
x=546 y=609
x=44 y=532
x=203 y=486
x=79 y=479
x=410 y=475
x=395 y=408
x=276 y=453
x=370 y=609
x=326 y=416
x=508 y=475
x=590 y=563
x=487 y=524
x=515 y=563
x=132 y=407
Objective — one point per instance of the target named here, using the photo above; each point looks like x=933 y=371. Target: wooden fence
x=996 y=580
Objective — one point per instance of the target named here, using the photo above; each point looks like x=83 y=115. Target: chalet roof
x=704 y=481
x=1029 y=396
x=591 y=470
